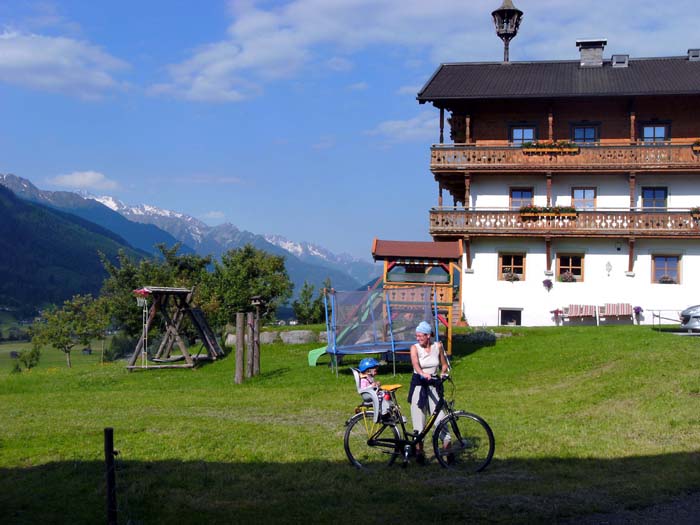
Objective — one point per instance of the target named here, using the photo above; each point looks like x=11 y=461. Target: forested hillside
x=47 y=256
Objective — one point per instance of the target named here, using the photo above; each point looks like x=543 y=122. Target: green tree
x=63 y=328
x=307 y=309
x=242 y=274
x=184 y=270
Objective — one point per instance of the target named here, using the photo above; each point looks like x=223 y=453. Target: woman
x=426 y=358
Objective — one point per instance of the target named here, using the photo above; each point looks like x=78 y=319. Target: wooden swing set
x=173 y=305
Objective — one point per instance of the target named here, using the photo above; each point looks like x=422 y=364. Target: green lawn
x=586 y=420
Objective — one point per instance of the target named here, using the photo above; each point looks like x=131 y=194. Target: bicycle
x=369 y=444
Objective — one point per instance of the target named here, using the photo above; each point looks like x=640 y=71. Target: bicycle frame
x=407 y=439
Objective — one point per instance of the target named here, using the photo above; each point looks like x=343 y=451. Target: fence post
x=240 y=343
x=249 y=347
x=111 y=478
x=256 y=346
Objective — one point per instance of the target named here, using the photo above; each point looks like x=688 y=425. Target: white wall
x=484 y=294
x=492 y=191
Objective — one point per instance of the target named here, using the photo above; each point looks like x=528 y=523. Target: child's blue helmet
x=367 y=363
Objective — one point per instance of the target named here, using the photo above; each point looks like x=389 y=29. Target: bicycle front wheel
x=370 y=445
x=465 y=442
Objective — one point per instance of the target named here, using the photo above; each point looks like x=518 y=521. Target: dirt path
x=684 y=510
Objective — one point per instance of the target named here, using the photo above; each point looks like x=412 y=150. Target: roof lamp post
x=507 y=19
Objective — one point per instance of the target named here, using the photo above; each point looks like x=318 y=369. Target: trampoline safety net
x=376 y=321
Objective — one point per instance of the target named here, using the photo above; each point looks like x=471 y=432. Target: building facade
x=572 y=185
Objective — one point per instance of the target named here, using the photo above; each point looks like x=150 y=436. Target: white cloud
x=422 y=127
x=408 y=90
x=267 y=41
x=210 y=179
x=358 y=86
x=85 y=180
x=214 y=215
x=339 y=64
x=57 y=64
x=324 y=143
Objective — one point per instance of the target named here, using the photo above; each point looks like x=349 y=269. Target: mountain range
x=143 y=226
x=47 y=255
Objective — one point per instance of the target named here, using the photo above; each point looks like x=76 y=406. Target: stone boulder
x=269 y=337
x=295 y=337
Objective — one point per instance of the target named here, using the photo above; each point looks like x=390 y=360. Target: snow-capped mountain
x=305 y=261
x=183 y=227
x=360 y=269
x=142 y=236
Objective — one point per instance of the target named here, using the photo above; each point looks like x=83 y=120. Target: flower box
x=551 y=151
x=695 y=148
x=533 y=215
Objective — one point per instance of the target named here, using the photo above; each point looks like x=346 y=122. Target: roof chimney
x=592 y=51
x=693 y=54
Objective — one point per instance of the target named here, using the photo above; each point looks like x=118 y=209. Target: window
x=570 y=268
x=666 y=269
x=583 y=134
x=655 y=132
x=654 y=198
x=510 y=316
x=521 y=134
x=520 y=197
x=511 y=267
x=583 y=198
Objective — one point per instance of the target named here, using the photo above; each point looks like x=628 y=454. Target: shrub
x=30 y=358
x=121 y=346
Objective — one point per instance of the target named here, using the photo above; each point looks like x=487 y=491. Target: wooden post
x=467 y=249
x=442 y=125
x=549 y=188
x=633 y=190
x=630 y=263
x=550 y=120
x=467 y=189
x=467 y=129
x=240 y=343
x=548 y=252
x=111 y=477
x=633 y=127
x=249 y=346
x=256 y=345
x=439 y=194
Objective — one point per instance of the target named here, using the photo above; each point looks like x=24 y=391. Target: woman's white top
x=429 y=361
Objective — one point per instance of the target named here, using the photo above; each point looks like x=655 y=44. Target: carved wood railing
x=458 y=221
x=600 y=157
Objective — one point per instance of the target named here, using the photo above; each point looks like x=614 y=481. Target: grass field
x=586 y=420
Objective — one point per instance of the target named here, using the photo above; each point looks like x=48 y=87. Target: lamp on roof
x=507 y=19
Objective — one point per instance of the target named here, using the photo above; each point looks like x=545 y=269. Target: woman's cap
x=424 y=328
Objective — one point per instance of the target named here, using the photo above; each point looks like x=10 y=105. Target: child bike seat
x=368 y=394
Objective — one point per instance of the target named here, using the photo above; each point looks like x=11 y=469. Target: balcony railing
x=447 y=157
x=458 y=221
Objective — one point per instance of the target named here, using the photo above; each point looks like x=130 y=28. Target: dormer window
x=655 y=132
x=584 y=133
x=520 y=134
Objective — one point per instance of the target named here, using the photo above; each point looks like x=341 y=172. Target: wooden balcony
x=449 y=222
x=611 y=158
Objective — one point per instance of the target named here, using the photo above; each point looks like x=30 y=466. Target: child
x=368 y=370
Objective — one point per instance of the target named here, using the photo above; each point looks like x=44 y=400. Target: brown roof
x=416 y=250
x=518 y=80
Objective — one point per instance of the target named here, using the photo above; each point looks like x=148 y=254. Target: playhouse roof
x=382 y=250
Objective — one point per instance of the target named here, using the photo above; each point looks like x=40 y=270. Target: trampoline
x=376 y=321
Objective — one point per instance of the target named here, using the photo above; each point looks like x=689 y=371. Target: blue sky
x=297 y=118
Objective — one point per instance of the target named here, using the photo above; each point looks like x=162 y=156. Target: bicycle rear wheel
x=464 y=442
x=370 y=445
